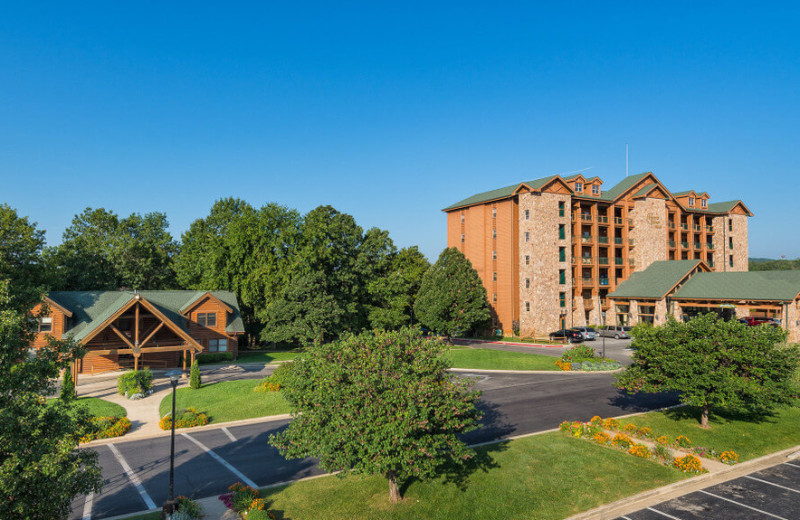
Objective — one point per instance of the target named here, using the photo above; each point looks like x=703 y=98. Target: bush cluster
x=581 y=357
x=214 y=357
x=187 y=509
x=187 y=418
x=267 y=385
x=688 y=464
x=135 y=382
x=247 y=502
x=106 y=427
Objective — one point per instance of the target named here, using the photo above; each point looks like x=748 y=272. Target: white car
x=589 y=333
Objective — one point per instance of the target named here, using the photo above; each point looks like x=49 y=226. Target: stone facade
x=540 y=263
x=792 y=321
x=648 y=217
x=740 y=249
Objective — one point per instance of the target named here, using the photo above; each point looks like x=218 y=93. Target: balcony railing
x=618 y=240
x=709 y=245
x=602 y=240
x=603 y=281
x=698 y=245
x=603 y=220
x=604 y=302
x=709 y=229
x=685 y=226
x=672 y=244
x=619 y=260
x=671 y=225
x=587 y=280
x=698 y=228
x=586 y=239
x=710 y=263
x=587 y=260
x=586 y=217
x=603 y=260
x=618 y=220
x=685 y=245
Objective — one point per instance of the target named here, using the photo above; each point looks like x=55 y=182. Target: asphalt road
x=513 y=404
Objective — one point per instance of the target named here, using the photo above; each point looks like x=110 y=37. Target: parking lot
x=770 y=493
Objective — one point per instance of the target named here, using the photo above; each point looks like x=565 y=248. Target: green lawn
x=99 y=407
x=488 y=359
x=546 y=476
x=748 y=438
x=266 y=357
x=228 y=401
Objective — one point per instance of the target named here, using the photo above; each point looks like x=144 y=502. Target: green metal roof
x=622 y=186
x=645 y=190
x=656 y=281
x=754 y=285
x=500 y=193
x=91 y=308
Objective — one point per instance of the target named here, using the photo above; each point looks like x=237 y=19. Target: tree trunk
x=704 y=417
x=394 y=489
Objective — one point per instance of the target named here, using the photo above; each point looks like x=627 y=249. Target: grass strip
x=266 y=357
x=489 y=359
x=545 y=476
x=749 y=436
x=228 y=401
x=98 y=407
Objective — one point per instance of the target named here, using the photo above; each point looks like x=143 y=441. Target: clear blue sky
x=391 y=113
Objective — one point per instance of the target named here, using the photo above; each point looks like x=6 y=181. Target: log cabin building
x=134 y=329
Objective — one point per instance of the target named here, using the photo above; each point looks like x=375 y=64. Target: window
x=562 y=254
x=595 y=189
x=494 y=276
x=730 y=260
x=528 y=306
x=45 y=324
x=527 y=283
x=527 y=237
x=494 y=212
x=562 y=232
x=730 y=242
x=218 y=345
x=562 y=276
x=578 y=187
x=494 y=255
x=691 y=201
x=462 y=238
x=527 y=260
x=562 y=299
x=704 y=203
x=207 y=319
x=527 y=214
x=730 y=224
x=463 y=218
x=494 y=233
x=561 y=207
x=494 y=297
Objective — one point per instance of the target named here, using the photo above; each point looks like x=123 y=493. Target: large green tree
x=379 y=403
x=451 y=298
x=713 y=363
x=21 y=244
x=394 y=291
x=102 y=251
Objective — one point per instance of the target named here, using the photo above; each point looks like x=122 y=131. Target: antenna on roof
x=626 y=159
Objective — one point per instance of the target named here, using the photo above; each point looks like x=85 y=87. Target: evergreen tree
x=451 y=298
x=67 y=386
x=194 y=376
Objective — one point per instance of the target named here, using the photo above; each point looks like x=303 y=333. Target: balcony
x=586 y=217
x=618 y=221
x=672 y=244
x=671 y=225
x=710 y=246
x=709 y=229
x=698 y=245
x=587 y=280
x=588 y=303
x=586 y=239
x=618 y=240
x=685 y=227
x=698 y=228
x=603 y=220
x=604 y=281
x=604 y=303
x=619 y=260
x=685 y=245
x=602 y=240
x=587 y=260
x=602 y=260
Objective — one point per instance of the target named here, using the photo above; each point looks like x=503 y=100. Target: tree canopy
x=378 y=403
x=21 y=244
x=713 y=363
x=451 y=298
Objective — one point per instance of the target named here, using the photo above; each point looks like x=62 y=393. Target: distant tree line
x=300 y=279
x=766 y=264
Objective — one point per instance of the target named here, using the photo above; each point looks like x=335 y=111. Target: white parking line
x=132 y=476
x=228 y=433
x=792 y=465
x=662 y=513
x=771 y=483
x=742 y=505
x=222 y=461
x=87 y=507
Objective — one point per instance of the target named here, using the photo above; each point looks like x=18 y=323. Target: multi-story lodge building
x=550 y=251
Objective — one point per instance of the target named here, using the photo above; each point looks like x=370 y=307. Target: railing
x=685 y=226
x=602 y=219
x=619 y=260
x=672 y=244
x=587 y=260
x=671 y=225
x=587 y=280
x=630 y=221
x=603 y=281
x=618 y=220
x=698 y=245
x=586 y=217
x=588 y=303
x=586 y=239
x=709 y=245
x=602 y=240
x=618 y=240
x=603 y=260
x=685 y=245
x=710 y=229
x=698 y=228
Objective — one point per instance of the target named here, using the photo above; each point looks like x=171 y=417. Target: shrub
x=194 y=377
x=639 y=450
x=683 y=441
x=663 y=440
x=601 y=438
x=267 y=385
x=611 y=424
x=282 y=374
x=621 y=440
x=578 y=353
x=729 y=457
x=214 y=357
x=135 y=382
x=688 y=464
x=596 y=420
x=188 y=508
x=646 y=432
x=106 y=428
x=563 y=365
x=631 y=429
x=67 y=387
x=187 y=418
x=662 y=453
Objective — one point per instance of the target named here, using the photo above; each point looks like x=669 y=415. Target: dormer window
x=595 y=189
x=704 y=203
x=207 y=319
x=691 y=201
x=578 y=187
x=45 y=324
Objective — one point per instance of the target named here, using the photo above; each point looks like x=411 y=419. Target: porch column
x=135 y=361
x=184 y=361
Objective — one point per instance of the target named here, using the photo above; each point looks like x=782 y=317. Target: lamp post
x=169 y=506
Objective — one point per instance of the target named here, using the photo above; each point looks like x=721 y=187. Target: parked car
x=589 y=334
x=752 y=321
x=571 y=335
x=616 y=332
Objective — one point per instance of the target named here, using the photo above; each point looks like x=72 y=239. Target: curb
x=512 y=343
x=655 y=496
x=583 y=372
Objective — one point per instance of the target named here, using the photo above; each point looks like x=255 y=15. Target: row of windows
x=703 y=202
x=218 y=345
x=595 y=188
x=207 y=319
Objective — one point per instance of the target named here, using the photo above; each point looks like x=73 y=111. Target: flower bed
x=106 y=428
x=187 y=509
x=266 y=385
x=187 y=418
x=247 y=502
x=582 y=357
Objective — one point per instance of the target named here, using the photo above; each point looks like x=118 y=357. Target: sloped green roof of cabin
x=644 y=190
x=655 y=281
x=500 y=193
x=622 y=186
x=755 y=285
x=91 y=308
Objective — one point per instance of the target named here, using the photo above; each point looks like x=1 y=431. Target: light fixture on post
x=169 y=507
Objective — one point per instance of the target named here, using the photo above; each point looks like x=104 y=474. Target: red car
x=752 y=321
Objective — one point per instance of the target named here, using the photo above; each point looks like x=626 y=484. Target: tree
x=394 y=291
x=101 y=251
x=451 y=298
x=194 y=376
x=67 y=386
x=21 y=246
x=713 y=363
x=378 y=403
x=41 y=469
